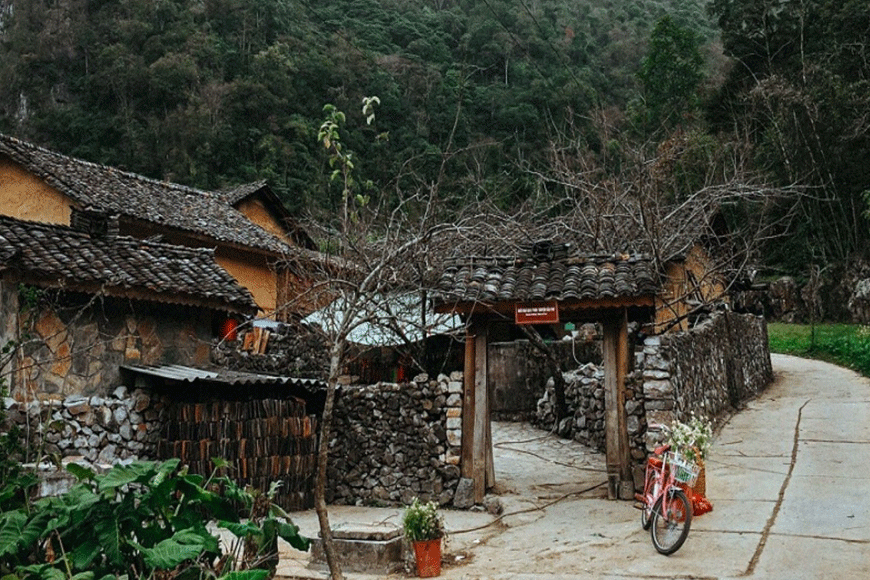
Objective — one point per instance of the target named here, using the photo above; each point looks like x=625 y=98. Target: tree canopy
x=476 y=95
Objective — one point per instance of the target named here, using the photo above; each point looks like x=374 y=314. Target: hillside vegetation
x=223 y=91
x=476 y=95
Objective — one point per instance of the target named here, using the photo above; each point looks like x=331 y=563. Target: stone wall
x=584 y=394
x=289 y=351
x=100 y=429
x=708 y=370
x=393 y=442
x=518 y=373
x=70 y=345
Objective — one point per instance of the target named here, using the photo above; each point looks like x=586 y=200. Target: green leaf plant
x=144 y=520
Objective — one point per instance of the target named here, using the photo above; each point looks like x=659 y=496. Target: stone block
x=658 y=389
x=463 y=498
x=659 y=405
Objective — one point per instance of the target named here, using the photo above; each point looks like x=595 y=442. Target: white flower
x=694 y=437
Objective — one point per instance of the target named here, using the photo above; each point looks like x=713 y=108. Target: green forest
x=478 y=95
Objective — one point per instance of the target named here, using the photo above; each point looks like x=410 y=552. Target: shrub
x=136 y=520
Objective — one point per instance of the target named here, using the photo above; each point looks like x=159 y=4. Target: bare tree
x=376 y=251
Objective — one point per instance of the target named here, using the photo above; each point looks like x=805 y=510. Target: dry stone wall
x=123 y=425
x=394 y=442
x=708 y=370
x=518 y=372
x=584 y=394
x=288 y=352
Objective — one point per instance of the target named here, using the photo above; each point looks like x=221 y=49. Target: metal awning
x=225 y=377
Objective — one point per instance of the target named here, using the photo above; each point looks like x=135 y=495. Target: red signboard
x=537 y=313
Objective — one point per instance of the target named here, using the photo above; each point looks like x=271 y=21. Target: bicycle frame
x=657 y=480
x=667 y=513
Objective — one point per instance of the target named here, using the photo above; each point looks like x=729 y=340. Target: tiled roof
x=120 y=266
x=233 y=195
x=554 y=278
x=170 y=205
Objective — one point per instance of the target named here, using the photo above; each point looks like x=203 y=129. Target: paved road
x=788 y=476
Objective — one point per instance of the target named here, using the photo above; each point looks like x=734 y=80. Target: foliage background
x=212 y=93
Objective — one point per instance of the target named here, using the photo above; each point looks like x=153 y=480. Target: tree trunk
x=553 y=364
x=322 y=459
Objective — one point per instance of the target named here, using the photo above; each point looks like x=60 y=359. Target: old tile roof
x=107 y=189
x=547 y=277
x=233 y=195
x=119 y=266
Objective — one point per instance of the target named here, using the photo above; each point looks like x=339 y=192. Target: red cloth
x=700 y=504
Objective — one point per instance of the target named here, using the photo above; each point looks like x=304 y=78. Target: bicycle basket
x=685 y=471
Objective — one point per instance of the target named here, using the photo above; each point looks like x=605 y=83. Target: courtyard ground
x=787 y=477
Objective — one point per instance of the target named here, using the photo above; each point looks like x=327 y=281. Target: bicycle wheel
x=646 y=516
x=646 y=509
x=670 y=527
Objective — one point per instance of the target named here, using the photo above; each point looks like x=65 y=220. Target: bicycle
x=665 y=510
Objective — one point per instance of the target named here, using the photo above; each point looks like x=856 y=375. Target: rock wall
x=120 y=426
x=394 y=442
x=584 y=393
x=73 y=347
x=708 y=370
x=289 y=352
x=518 y=373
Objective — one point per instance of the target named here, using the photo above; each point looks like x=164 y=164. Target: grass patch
x=844 y=344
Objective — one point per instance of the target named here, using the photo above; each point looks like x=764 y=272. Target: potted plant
x=424 y=528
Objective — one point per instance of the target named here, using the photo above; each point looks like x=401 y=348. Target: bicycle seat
x=662 y=450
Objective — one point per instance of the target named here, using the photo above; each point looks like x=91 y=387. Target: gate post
x=615 y=347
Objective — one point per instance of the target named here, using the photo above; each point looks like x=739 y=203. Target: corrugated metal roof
x=223 y=376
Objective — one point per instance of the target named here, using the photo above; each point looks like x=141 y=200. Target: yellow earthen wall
x=690 y=279
x=254 y=273
x=255 y=211
x=27 y=197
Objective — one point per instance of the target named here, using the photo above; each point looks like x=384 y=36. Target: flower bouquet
x=692 y=440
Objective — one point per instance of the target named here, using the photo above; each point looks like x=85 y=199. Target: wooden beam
x=622 y=362
x=490 y=461
x=467 y=455
x=611 y=415
x=618 y=452
x=482 y=445
x=595 y=306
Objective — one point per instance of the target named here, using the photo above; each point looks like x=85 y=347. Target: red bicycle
x=665 y=509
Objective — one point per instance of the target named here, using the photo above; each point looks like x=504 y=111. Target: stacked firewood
x=263 y=440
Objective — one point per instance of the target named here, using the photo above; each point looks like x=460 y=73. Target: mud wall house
x=689 y=283
x=248 y=228
x=78 y=305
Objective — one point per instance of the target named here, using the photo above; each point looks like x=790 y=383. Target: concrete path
x=788 y=476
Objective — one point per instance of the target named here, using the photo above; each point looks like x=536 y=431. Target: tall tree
x=670 y=74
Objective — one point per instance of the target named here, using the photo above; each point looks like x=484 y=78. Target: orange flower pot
x=428 y=556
